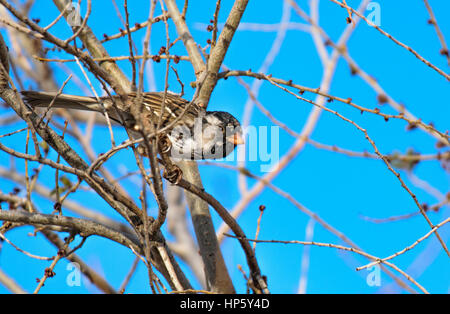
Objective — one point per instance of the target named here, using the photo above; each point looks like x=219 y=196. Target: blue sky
x=338 y=188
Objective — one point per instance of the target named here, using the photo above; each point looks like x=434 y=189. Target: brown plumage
x=174 y=105
x=193 y=132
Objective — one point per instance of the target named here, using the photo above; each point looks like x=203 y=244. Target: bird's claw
x=173 y=174
x=164 y=143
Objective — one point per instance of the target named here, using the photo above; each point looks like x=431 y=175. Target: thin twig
x=49 y=271
x=385 y=160
x=340 y=247
x=444 y=51
x=215 y=21
x=130 y=46
x=42 y=258
x=415 y=53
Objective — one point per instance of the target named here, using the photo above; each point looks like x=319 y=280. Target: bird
x=194 y=133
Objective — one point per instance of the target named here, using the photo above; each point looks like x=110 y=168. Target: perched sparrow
x=199 y=134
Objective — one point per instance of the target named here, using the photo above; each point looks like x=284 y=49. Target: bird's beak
x=236 y=139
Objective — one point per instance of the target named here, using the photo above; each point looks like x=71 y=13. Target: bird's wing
x=43 y=99
x=174 y=106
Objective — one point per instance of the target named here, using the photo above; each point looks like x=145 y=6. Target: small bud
x=382 y=99
x=411 y=126
x=49 y=273
x=57 y=206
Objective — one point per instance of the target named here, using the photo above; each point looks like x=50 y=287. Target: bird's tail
x=43 y=99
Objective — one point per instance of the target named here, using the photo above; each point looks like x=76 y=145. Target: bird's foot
x=173 y=174
x=164 y=143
